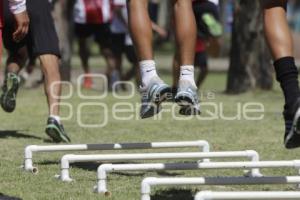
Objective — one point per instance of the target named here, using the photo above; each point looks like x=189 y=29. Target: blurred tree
x=250 y=59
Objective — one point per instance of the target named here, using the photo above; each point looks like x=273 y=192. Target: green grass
x=26 y=126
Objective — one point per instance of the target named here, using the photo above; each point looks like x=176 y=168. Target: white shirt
x=215 y=2
x=17 y=6
x=117 y=24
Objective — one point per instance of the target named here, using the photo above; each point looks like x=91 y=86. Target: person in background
x=41 y=42
x=18 y=8
x=92 y=18
x=122 y=41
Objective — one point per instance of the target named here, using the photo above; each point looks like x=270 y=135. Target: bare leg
x=176 y=71
x=277 y=31
x=15 y=62
x=141 y=28
x=186 y=33
x=50 y=68
x=202 y=76
x=84 y=54
x=185 y=28
x=111 y=66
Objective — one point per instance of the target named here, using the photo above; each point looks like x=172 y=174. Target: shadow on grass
x=165 y=173
x=17 y=134
x=47 y=162
x=89 y=166
x=173 y=194
x=5 y=197
x=93 y=166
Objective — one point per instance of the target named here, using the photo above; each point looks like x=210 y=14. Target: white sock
x=187 y=74
x=57 y=118
x=148 y=71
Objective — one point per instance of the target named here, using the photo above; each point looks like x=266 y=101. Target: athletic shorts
x=100 y=32
x=201 y=60
x=119 y=47
x=200 y=8
x=42 y=37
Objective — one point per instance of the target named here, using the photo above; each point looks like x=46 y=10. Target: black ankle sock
x=287 y=76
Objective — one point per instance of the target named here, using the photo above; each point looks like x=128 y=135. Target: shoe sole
x=55 y=134
x=8 y=99
x=292 y=140
x=187 y=105
x=214 y=27
x=154 y=106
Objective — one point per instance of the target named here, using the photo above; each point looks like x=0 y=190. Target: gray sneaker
x=153 y=96
x=187 y=98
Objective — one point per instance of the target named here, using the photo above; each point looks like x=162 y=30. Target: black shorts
x=201 y=7
x=201 y=60
x=42 y=37
x=119 y=47
x=100 y=32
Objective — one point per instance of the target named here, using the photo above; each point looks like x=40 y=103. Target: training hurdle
x=71 y=158
x=28 y=152
x=149 y=182
x=104 y=169
x=208 y=195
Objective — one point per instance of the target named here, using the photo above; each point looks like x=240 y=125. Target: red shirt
x=1 y=14
x=200 y=45
x=93 y=11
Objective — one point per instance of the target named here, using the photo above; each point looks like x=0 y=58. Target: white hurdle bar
x=208 y=195
x=71 y=158
x=28 y=152
x=104 y=169
x=149 y=182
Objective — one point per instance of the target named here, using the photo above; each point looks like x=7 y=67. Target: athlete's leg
x=185 y=28
x=50 y=68
x=176 y=73
x=202 y=63
x=84 y=54
x=16 y=61
x=141 y=28
x=281 y=44
x=277 y=31
x=10 y=88
x=154 y=91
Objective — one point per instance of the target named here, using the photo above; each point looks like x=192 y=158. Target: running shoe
x=10 y=90
x=87 y=83
x=187 y=98
x=56 y=131
x=152 y=97
x=292 y=127
x=214 y=27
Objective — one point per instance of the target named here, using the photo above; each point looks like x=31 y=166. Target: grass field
x=26 y=126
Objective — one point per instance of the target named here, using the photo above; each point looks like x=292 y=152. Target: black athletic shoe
x=56 y=131
x=10 y=89
x=292 y=127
